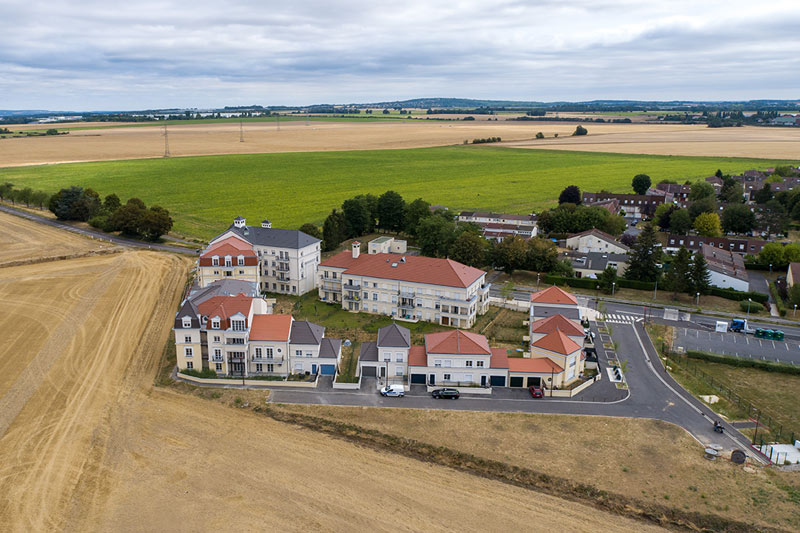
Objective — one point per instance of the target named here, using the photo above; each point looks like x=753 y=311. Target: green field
x=204 y=194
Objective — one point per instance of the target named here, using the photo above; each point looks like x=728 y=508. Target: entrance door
x=432 y=379
x=383 y=371
x=483 y=381
x=313 y=369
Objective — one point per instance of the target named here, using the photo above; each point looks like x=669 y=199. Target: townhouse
x=388 y=356
x=726 y=268
x=236 y=335
x=596 y=241
x=457 y=358
x=278 y=260
x=409 y=288
x=498 y=226
x=693 y=243
x=636 y=206
x=679 y=192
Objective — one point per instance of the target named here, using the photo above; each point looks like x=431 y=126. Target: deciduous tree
x=570 y=195
x=469 y=249
x=708 y=225
x=391 y=211
x=311 y=229
x=641 y=183
x=738 y=218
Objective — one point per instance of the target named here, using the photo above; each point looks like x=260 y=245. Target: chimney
x=356 y=249
x=266 y=224
x=239 y=222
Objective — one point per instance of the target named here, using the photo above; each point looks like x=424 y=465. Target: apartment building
x=278 y=260
x=693 y=243
x=635 y=206
x=498 y=226
x=237 y=336
x=409 y=288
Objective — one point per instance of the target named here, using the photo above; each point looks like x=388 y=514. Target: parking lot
x=738 y=344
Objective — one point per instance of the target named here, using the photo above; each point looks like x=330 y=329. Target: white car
x=393 y=390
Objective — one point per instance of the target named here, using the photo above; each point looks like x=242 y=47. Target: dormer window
x=215 y=261
x=240 y=260
x=215 y=323
x=237 y=325
x=228 y=261
x=187 y=322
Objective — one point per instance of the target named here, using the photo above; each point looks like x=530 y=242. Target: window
x=237 y=325
x=309 y=354
x=374 y=296
x=437 y=362
x=258 y=353
x=467 y=363
x=298 y=353
x=334 y=275
x=189 y=351
x=374 y=308
x=218 y=367
x=216 y=338
x=217 y=354
x=298 y=367
x=228 y=261
x=190 y=365
x=241 y=272
x=270 y=368
x=215 y=261
x=398 y=371
x=446 y=377
x=259 y=367
x=187 y=339
x=480 y=363
x=215 y=325
x=187 y=322
x=398 y=357
x=269 y=353
x=468 y=377
x=448 y=363
x=240 y=260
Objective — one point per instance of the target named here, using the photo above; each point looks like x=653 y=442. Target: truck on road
x=741 y=325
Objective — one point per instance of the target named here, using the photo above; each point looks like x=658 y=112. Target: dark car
x=536 y=391
x=451 y=394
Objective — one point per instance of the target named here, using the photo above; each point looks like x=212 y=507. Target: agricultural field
x=24 y=240
x=647 y=460
x=115 y=141
x=204 y=194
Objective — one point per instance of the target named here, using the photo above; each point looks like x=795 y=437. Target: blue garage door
x=328 y=370
x=498 y=381
x=418 y=379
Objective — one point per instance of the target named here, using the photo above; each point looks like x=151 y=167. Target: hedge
x=205 y=373
x=759 y=266
x=752 y=307
x=778 y=300
x=744 y=362
x=732 y=294
x=581 y=283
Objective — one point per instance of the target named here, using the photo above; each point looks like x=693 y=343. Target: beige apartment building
x=408 y=288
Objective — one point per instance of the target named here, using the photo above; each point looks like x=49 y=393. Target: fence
x=762 y=417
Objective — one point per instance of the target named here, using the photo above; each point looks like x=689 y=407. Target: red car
x=536 y=391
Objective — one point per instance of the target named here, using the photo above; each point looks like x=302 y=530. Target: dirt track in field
x=263 y=137
x=87 y=443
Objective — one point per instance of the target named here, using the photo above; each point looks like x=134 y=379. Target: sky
x=141 y=54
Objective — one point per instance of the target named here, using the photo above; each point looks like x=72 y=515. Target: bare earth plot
x=264 y=137
x=779 y=143
x=22 y=240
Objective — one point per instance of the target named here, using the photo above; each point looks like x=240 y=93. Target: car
x=452 y=394
x=536 y=391
x=393 y=390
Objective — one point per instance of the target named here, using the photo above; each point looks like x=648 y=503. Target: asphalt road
x=97 y=234
x=738 y=344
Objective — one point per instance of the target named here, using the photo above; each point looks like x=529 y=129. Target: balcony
x=334 y=281
x=352 y=297
x=330 y=286
x=351 y=286
x=485 y=287
x=282 y=267
x=268 y=360
x=236 y=357
x=461 y=301
x=406 y=303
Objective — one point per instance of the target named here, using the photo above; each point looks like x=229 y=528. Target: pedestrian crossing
x=623 y=319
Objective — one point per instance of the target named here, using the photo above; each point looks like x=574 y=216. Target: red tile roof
x=556 y=322
x=557 y=342
x=417 y=356
x=457 y=342
x=233 y=247
x=553 y=295
x=535 y=365
x=499 y=358
x=417 y=269
x=225 y=307
x=271 y=328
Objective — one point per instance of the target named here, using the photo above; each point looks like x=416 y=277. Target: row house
x=278 y=260
x=457 y=358
x=596 y=241
x=236 y=336
x=726 y=269
x=693 y=243
x=410 y=288
x=592 y=264
x=678 y=192
x=636 y=206
x=498 y=226
x=387 y=358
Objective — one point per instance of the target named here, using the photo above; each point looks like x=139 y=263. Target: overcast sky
x=81 y=55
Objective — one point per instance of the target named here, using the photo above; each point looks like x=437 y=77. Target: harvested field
x=748 y=141
x=648 y=460
x=114 y=142
x=23 y=240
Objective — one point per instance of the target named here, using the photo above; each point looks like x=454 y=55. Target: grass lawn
x=649 y=460
x=772 y=392
x=204 y=194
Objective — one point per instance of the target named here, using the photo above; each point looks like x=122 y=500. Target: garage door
x=516 y=381
x=534 y=381
x=498 y=381
x=368 y=371
x=328 y=370
x=418 y=379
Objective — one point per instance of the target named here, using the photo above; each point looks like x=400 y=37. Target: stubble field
x=87 y=444
x=108 y=141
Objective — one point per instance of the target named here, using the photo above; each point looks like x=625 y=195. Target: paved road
x=97 y=234
x=739 y=345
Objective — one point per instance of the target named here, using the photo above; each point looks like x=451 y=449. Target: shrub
x=778 y=300
x=731 y=294
x=540 y=135
x=580 y=130
x=206 y=373
x=99 y=221
x=754 y=307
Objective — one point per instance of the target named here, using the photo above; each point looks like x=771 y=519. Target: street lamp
x=770 y=268
x=795 y=310
x=748 y=307
x=537 y=280
x=655 y=290
x=698 y=299
x=613 y=286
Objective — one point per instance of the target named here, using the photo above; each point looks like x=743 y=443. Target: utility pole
x=278 y=120
x=241 y=132
x=166 y=141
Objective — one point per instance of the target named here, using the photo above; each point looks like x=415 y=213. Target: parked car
x=536 y=391
x=451 y=394
x=393 y=390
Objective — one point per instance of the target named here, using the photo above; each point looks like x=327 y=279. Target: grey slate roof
x=394 y=336
x=543 y=311
x=279 y=238
x=369 y=352
x=304 y=332
x=224 y=287
x=596 y=261
x=188 y=309
x=330 y=347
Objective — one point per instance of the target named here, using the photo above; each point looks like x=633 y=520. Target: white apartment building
x=279 y=260
x=406 y=287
